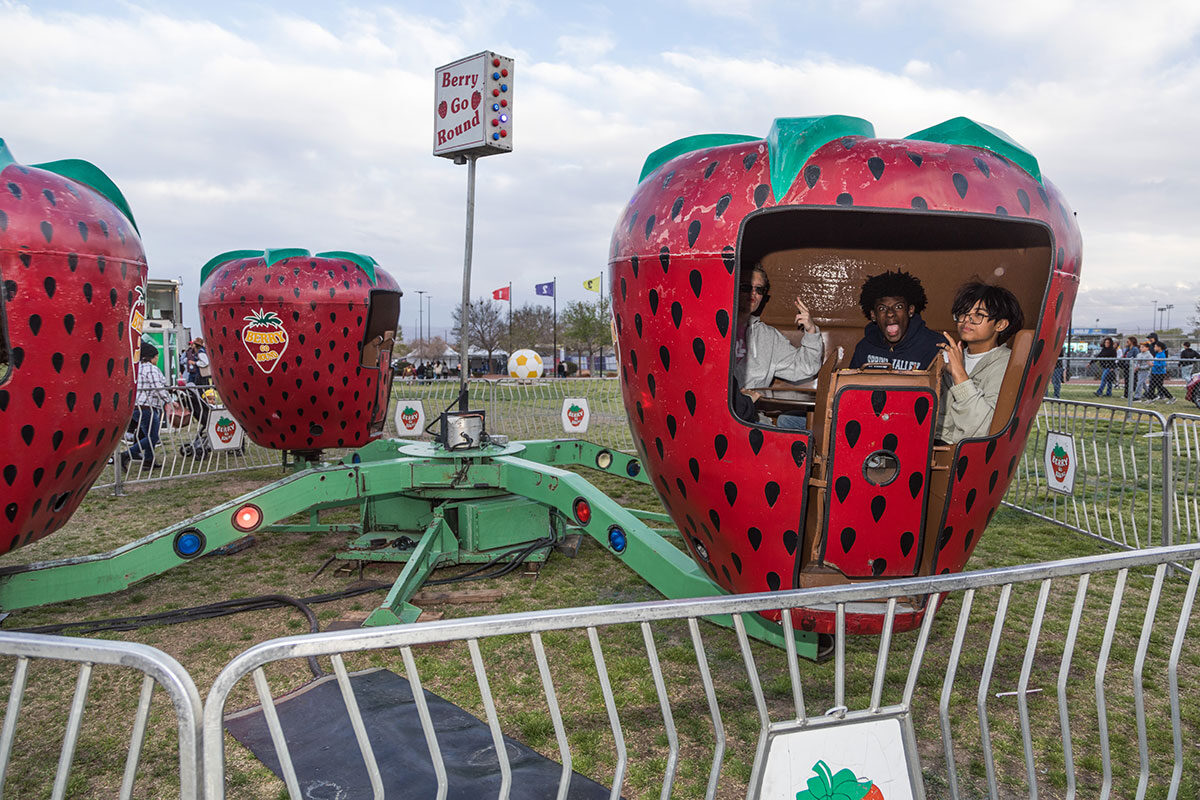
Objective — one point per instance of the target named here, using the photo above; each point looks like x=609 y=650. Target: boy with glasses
x=987 y=317
x=896 y=336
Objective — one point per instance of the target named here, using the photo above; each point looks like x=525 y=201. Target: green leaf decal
x=845 y=785
x=689 y=144
x=964 y=131
x=231 y=255
x=793 y=140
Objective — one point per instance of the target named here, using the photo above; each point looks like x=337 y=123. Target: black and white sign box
x=472 y=106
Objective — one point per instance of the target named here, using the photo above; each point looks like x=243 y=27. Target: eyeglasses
x=895 y=308
x=751 y=289
x=972 y=317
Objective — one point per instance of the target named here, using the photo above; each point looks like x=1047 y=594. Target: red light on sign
x=495 y=92
x=504 y=73
x=495 y=62
x=247 y=518
x=503 y=134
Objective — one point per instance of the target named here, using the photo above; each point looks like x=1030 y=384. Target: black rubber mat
x=328 y=763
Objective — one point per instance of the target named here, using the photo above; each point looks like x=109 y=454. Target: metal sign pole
x=464 y=360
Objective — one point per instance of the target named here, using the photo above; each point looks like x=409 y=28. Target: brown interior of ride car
x=825 y=255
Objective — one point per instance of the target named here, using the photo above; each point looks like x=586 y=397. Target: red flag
x=500 y=294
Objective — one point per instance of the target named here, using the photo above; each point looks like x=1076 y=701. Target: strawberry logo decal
x=225 y=429
x=476 y=97
x=1060 y=462
x=575 y=415
x=137 y=321
x=442 y=109
x=265 y=338
x=845 y=785
x=409 y=417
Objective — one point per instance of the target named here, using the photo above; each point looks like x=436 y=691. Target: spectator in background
x=1128 y=354
x=1056 y=377
x=1189 y=361
x=152 y=391
x=1108 y=367
x=1158 y=375
x=1141 y=370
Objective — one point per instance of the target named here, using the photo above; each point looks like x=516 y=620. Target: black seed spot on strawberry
x=760 y=194
x=101 y=263
x=103 y=227
x=989 y=451
x=841 y=488
x=848 y=143
x=799 y=452
x=723 y=204
x=698 y=349
x=38 y=474
x=960 y=468
x=3 y=222
x=730 y=492
x=70 y=401
x=50 y=285
x=1023 y=199
x=649 y=225
x=624 y=293
x=878 y=566
x=682 y=488
x=921 y=409
x=853 y=429
x=693 y=232
x=720 y=445
x=715 y=519
x=915 y=482
x=878 y=505
x=1012 y=431
x=906 y=542
x=672 y=425
x=847 y=539
x=890 y=442
x=771 y=491
x=812 y=174
x=650 y=383
x=728 y=255
x=633 y=264
x=944 y=537
x=96 y=400
x=632 y=222
x=47 y=231
x=914 y=157
x=18 y=357
x=708 y=171
x=10 y=510
x=35 y=324
x=10 y=290
x=676 y=314
x=696 y=281
x=737 y=563
x=676 y=207
x=919 y=203
x=633 y=361
x=845 y=199
x=875 y=164
x=723 y=322
x=878 y=401
x=667 y=179
x=10 y=474
x=3 y=399
x=970 y=500
x=1060 y=259
x=39 y=396
x=99 y=329
x=83 y=231
x=27 y=434
x=749 y=160
x=960 y=183
x=694 y=468
x=637 y=325
x=121 y=329
x=689 y=399
x=58 y=471
x=983 y=167
x=995 y=476
x=1001 y=211
x=25 y=259
x=1043 y=196
x=653 y=299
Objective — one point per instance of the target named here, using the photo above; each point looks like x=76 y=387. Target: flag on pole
x=500 y=294
x=593 y=284
x=544 y=289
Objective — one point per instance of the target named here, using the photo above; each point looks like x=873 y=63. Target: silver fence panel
x=1182 y=494
x=1119 y=480
x=1056 y=679
x=26 y=650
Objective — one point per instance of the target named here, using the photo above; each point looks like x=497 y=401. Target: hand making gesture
x=804 y=319
x=955 y=358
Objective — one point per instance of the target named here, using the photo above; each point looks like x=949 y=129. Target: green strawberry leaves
x=271 y=257
x=827 y=786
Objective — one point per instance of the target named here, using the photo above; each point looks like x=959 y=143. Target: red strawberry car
x=301 y=344
x=862 y=493
x=72 y=301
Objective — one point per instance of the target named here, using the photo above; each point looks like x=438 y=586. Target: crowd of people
x=1139 y=370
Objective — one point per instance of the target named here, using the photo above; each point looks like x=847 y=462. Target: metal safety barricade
x=1182 y=493
x=1061 y=679
x=33 y=679
x=1120 y=474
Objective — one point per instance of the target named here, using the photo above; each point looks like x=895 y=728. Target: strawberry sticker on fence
x=844 y=785
x=1060 y=462
x=410 y=417
x=575 y=415
x=225 y=429
x=265 y=338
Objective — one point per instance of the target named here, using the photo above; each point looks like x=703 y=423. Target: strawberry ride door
x=378 y=338
x=880 y=446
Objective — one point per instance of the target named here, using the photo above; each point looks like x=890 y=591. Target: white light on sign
x=472 y=106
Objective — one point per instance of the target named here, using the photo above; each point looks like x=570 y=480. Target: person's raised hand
x=804 y=319
x=956 y=362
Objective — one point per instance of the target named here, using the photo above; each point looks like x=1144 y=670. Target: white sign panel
x=863 y=760
x=1060 y=462
x=410 y=418
x=224 y=432
x=575 y=415
x=472 y=106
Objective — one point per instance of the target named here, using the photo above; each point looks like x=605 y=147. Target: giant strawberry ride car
x=73 y=275
x=864 y=493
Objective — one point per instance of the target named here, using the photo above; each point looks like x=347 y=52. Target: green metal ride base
x=419 y=504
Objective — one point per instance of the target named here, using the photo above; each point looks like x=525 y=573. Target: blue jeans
x=1107 y=378
x=1056 y=380
x=793 y=422
x=148 y=420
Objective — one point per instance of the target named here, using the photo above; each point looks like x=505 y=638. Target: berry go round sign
x=1060 y=462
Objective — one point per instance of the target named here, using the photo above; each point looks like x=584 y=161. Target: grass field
x=286 y=563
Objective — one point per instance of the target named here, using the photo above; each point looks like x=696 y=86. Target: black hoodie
x=915 y=351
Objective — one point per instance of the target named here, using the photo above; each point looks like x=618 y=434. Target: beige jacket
x=967 y=408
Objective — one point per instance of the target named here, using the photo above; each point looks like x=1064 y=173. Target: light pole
x=421 y=315
x=1161 y=309
x=1153 y=318
x=429 y=333
x=1169 y=307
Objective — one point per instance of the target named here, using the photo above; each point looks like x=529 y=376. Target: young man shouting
x=987 y=317
x=896 y=336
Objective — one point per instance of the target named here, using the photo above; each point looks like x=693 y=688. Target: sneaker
x=125 y=458
x=149 y=464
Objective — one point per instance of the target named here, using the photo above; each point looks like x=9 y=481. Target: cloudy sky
x=309 y=123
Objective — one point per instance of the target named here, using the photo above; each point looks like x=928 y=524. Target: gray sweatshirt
x=967 y=408
x=768 y=355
